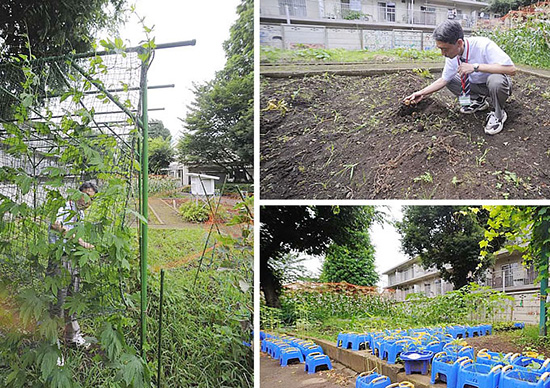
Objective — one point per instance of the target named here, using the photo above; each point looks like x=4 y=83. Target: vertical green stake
x=144 y=201
x=159 y=366
x=545 y=225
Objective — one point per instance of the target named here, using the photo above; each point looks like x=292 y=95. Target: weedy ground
x=328 y=136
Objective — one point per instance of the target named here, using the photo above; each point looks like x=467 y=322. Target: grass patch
x=270 y=54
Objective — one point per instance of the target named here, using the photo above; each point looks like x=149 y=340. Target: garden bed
x=328 y=136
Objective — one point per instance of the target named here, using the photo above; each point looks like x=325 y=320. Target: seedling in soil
x=546 y=95
x=424 y=73
x=480 y=161
x=350 y=167
x=280 y=105
x=426 y=177
x=456 y=181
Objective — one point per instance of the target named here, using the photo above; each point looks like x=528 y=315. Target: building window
x=507 y=275
x=427 y=15
x=295 y=7
x=386 y=12
x=427 y=289
x=438 y=287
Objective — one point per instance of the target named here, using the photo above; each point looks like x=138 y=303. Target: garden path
x=274 y=376
x=166 y=215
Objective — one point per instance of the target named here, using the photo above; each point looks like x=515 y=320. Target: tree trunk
x=269 y=285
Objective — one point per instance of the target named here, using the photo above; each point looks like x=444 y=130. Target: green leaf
x=134 y=371
x=111 y=341
x=24 y=182
x=32 y=306
x=61 y=378
x=26 y=99
x=76 y=304
x=48 y=361
x=137 y=215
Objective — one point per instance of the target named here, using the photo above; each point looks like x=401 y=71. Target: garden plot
x=328 y=136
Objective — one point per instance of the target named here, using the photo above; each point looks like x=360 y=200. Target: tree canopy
x=447 y=238
x=161 y=155
x=307 y=229
x=502 y=7
x=220 y=126
x=157 y=129
x=52 y=27
x=527 y=230
x=352 y=262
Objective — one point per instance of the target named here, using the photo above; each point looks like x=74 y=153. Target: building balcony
x=371 y=14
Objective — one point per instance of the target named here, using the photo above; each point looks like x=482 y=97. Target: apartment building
x=410 y=277
x=391 y=13
x=507 y=274
x=362 y=24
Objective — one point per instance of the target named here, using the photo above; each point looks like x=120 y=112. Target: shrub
x=195 y=211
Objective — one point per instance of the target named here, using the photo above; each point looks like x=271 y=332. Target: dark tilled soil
x=502 y=343
x=345 y=137
x=272 y=375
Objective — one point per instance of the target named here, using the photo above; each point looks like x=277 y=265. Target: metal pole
x=159 y=366
x=544 y=235
x=144 y=202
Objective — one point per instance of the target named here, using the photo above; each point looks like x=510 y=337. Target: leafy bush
x=194 y=211
x=327 y=313
x=163 y=185
x=526 y=43
x=233 y=188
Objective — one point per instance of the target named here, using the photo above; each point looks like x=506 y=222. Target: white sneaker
x=494 y=125
x=477 y=105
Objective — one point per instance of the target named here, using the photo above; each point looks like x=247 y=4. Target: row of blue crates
x=288 y=349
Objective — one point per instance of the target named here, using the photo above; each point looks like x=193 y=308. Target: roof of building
x=203 y=176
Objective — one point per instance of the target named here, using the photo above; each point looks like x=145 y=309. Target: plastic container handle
x=484 y=355
x=484 y=350
x=463 y=358
x=441 y=354
x=405 y=384
x=377 y=380
x=314 y=354
x=367 y=373
x=545 y=376
x=495 y=368
x=464 y=362
x=507 y=367
x=545 y=363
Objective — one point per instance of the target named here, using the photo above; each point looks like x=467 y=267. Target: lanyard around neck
x=467 y=53
x=463 y=79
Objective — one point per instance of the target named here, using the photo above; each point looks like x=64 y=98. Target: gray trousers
x=498 y=88
x=72 y=328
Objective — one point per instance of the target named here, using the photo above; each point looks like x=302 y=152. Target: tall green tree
x=527 y=230
x=219 y=128
x=447 y=238
x=157 y=129
x=307 y=229
x=352 y=262
x=53 y=27
x=502 y=7
x=161 y=155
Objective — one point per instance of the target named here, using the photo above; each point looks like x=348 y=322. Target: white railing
x=365 y=12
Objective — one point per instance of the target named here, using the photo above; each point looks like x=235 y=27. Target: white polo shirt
x=68 y=217
x=481 y=50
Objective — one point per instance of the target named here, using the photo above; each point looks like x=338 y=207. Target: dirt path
x=274 y=376
x=165 y=214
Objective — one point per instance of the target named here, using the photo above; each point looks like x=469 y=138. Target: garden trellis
x=65 y=120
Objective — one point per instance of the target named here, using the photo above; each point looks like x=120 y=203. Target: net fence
x=64 y=121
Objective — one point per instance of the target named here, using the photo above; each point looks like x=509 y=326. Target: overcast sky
x=385 y=239
x=206 y=21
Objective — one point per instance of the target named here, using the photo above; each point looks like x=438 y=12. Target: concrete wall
x=295 y=36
